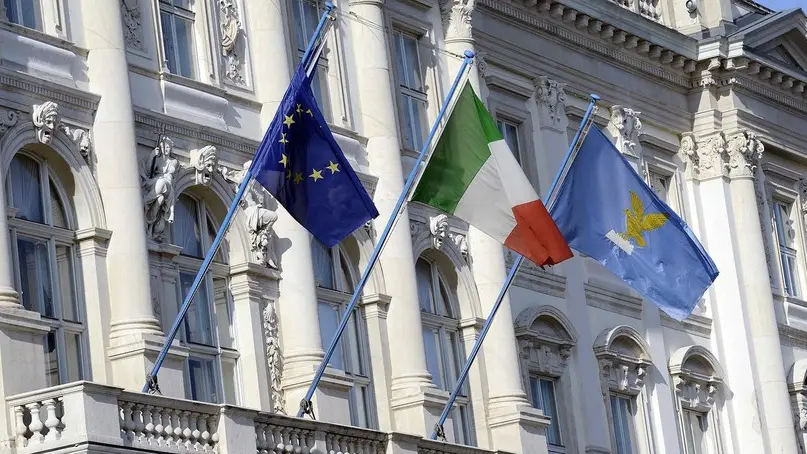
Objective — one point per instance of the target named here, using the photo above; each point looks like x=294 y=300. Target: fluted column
x=132 y=317
x=514 y=425
x=410 y=378
x=743 y=152
x=297 y=302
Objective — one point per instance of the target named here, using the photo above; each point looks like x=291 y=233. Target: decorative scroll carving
x=551 y=98
x=47 y=121
x=274 y=357
x=157 y=171
x=457 y=15
x=204 y=161
x=696 y=376
x=708 y=159
x=763 y=193
x=260 y=220
x=231 y=32
x=626 y=127
x=438 y=231
x=744 y=152
x=8 y=119
x=132 y=27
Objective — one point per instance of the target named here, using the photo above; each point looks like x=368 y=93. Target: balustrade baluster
x=277 y=439
x=22 y=428
x=148 y=425
x=214 y=430
x=177 y=435
x=36 y=423
x=185 y=425
x=168 y=429
x=195 y=433
x=52 y=422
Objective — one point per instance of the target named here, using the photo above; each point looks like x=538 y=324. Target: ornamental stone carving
x=157 y=173
x=457 y=18
x=626 y=127
x=274 y=358
x=8 y=119
x=697 y=377
x=707 y=159
x=551 y=98
x=744 y=152
x=132 y=26
x=204 y=161
x=231 y=42
x=48 y=122
x=763 y=192
x=260 y=220
x=438 y=227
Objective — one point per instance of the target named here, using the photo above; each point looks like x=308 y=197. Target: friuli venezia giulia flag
x=474 y=176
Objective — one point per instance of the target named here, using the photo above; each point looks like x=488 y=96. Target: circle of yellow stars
x=297 y=177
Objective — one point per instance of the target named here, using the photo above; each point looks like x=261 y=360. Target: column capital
x=550 y=95
x=625 y=127
x=457 y=15
x=744 y=153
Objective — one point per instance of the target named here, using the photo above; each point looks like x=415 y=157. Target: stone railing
x=650 y=9
x=90 y=414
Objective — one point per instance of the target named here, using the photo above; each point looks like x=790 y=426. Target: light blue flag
x=605 y=210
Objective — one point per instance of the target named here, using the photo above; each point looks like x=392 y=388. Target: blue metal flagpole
x=151 y=379
x=576 y=141
x=306 y=406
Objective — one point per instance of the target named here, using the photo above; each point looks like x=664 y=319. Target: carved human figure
x=157 y=172
x=260 y=220
x=46 y=120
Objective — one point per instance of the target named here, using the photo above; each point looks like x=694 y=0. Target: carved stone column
x=117 y=169
x=416 y=404
x=9 y=298
x=721 y=171
x=296 y=307
x=744 y=151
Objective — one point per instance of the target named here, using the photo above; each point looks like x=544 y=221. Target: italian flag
x=474 y=176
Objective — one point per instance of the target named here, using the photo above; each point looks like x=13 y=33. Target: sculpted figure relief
x=259 y=218
x=157 y=173
x=204 y=160
x=46 y=120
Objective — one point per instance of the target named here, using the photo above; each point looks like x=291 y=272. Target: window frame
x=447 y=328
x=537 y=399
x=362 y=391
x=398 y=33
x=781 y=225
x=171 y=9
x=53 y=236
x=501 y=123
x=219 y=269
x=37 y=14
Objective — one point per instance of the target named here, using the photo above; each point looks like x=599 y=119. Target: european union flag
x=302 y=166
x=605 y=210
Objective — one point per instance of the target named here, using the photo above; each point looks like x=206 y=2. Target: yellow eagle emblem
x=638 y=222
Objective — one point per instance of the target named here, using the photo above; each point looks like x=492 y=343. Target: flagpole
x=578 y=137
x=306 y=406
x=151 y=379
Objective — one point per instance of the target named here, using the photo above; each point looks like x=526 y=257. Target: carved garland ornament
x=551 y=95
x=231 y=32
x=48 y=122
x=132 y=26
x=274 y=357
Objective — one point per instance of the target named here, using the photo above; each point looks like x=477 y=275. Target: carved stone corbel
x=8 y=119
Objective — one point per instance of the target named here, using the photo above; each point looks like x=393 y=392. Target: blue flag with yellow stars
x=605 y=210
x=302 y=166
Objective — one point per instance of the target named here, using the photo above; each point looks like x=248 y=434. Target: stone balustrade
x=650 y=9
x=85 y=413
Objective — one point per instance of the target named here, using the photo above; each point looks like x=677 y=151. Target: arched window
x=212 y=364
x=335 y=284
x=441 y=340
x=697 y=378
x=44 y=258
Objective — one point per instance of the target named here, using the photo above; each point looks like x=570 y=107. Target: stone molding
x=695 y=386
x=543 y=349
x=623 y=358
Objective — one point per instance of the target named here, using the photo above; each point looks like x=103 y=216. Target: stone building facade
x=125 y=126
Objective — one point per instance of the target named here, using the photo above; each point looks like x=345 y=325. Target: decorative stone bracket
x=48 y=122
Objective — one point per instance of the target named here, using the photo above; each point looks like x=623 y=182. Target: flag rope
x=306 y=406
x=519 y=259
x=152 y=385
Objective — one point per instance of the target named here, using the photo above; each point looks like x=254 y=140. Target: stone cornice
x=70 y=97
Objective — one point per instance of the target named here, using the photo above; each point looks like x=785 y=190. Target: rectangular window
x=202 y=377
x=306 y=15
x=328 y=322
x=431 y=342
x=542 y=393
x=176 y=18
x=622 y=418
x=660 y=184
x=509 y=132
x=35 y=277
x=21 y=12
x=787 y=251
x=412 y=100
x=198 y=329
